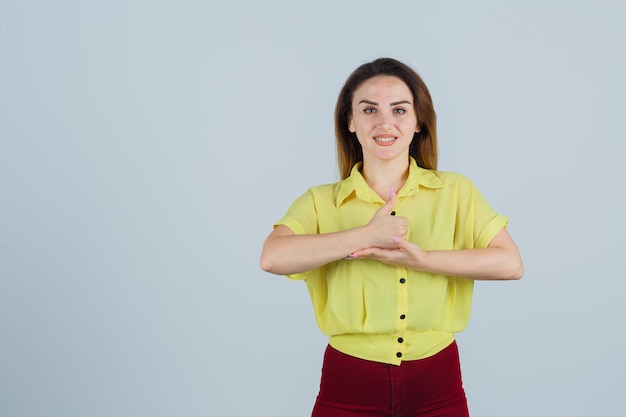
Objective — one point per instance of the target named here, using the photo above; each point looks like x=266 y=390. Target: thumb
x=387 y=208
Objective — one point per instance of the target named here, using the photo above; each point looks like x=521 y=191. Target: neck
x=383 y=175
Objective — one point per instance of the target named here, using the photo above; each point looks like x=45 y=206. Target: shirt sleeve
x=482 y=220
x=302 y=218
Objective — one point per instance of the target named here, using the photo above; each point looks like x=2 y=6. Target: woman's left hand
x=500 y=260
x=405 y=254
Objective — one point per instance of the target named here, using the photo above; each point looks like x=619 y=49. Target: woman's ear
x=351 y=125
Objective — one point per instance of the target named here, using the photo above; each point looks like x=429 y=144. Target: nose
x=385 y=120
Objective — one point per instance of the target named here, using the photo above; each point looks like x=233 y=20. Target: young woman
x=389 y=254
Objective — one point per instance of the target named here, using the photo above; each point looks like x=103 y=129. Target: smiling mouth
x=385 y=140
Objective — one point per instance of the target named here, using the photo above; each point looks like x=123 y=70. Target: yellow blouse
x=386 y=313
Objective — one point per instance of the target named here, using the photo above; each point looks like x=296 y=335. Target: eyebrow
x=395 y=103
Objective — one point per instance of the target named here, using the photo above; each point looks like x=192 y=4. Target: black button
x=400 y=340
x=402 y=280
x=393 y=213
x=403 y=316
x=399 y=354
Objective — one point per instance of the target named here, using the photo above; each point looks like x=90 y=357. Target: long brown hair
x=424 y=145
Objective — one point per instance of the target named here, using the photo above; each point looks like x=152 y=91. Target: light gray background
x=148 y=146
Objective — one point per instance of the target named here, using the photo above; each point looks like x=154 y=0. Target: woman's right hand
x=385 y=228
x=287 y=253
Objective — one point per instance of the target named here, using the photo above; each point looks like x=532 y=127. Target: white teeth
x=384 y=139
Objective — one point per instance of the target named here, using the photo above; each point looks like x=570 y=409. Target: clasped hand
x=389 y=238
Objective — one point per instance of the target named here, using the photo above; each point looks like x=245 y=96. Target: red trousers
x=429 y=387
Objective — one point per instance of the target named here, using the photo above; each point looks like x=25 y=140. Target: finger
x=365 y=253
x=406 y=246
x=387 y=208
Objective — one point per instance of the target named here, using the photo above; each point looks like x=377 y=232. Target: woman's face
x=383 y=118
